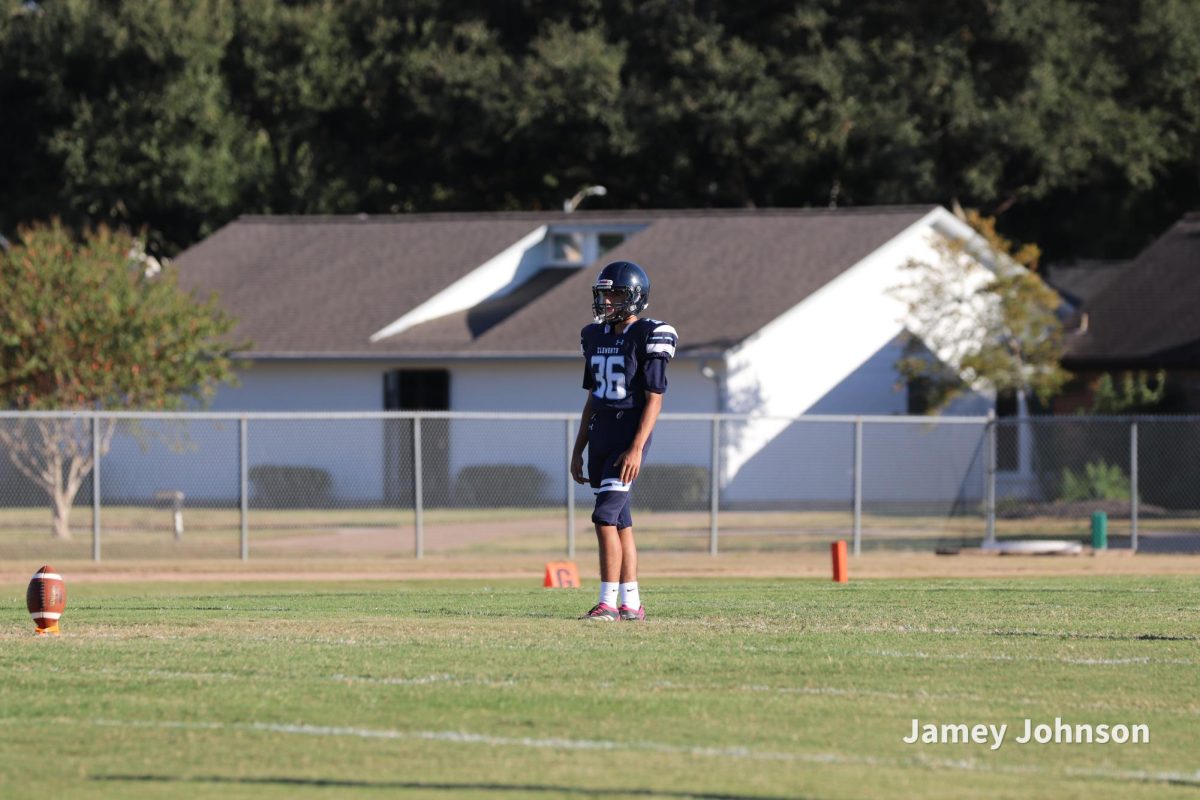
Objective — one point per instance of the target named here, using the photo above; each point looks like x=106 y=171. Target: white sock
x=608 y=593
x=630 y=596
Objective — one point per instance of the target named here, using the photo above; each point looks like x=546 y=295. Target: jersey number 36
x=609 y=372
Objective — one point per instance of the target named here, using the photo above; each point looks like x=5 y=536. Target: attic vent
x=567 y=248
x=577 y=246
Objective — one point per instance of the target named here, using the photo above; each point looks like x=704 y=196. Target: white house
x=780 y=313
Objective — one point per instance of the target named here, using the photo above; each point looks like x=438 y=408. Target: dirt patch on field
x=386 y=541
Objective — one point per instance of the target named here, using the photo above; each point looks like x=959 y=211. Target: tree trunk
x=64 y=493
x=62 y=517
x=56 y=454
x=60 y=495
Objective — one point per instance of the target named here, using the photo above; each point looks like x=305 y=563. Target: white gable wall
x=834 y=353
x=793 y=362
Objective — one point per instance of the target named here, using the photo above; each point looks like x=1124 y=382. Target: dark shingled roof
x=325 y=284
x=322 y=285
x=1082 y=281
x=1147 y=314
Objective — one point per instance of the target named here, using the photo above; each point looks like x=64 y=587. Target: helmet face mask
x=620 y=309
x=629 y=282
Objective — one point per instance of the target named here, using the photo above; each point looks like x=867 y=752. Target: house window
x=567 y=247
x=608 y=241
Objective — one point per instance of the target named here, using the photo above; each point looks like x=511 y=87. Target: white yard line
x=736 y=751
x=419 y=680
x=1087 y=662
x=916 y=695
x=605 y=745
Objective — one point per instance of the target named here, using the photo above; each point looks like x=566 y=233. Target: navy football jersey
x=620 y=368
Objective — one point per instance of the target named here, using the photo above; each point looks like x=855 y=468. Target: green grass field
x=732 y=689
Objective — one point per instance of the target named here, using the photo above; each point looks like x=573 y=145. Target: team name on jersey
x=608 y=350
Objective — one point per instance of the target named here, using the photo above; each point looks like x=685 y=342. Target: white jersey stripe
x=665 y=328
x=669 y=349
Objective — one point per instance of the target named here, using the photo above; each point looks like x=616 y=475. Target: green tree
x=88 y=324
x=1076 y=124
x=994 y=329
x=121 y=111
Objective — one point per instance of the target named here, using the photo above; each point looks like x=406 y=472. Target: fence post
x=858 y=442
x=96 y=486
x=714 y=500
x=570 y=490
x=989 y=479
x=418 y=510
x=244 y=486
x=1133 y=485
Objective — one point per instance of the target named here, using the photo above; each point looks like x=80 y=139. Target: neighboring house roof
x=322 y=286
x=1080 y=282
x=1147 y=314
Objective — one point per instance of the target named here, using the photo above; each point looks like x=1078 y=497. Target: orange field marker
x=840 y=572
x=561 y=575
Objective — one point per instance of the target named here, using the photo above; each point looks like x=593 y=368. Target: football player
x=625 y=375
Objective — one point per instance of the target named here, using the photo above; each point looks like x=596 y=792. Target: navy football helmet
x=626 y=278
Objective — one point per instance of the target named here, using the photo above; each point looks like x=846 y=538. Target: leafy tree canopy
x=97 y=324
x=1077 y=125
x=993 y=328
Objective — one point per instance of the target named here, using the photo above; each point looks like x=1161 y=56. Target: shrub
x=288 y=486
x=673 y=487
x=1098 y=481
x=492 y=485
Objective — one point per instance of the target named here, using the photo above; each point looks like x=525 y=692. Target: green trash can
x=1099 y=530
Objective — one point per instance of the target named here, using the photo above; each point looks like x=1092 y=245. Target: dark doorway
x=416 y=390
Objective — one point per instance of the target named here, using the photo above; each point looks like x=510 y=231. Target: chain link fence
x=1053 y=474
x=407 y=484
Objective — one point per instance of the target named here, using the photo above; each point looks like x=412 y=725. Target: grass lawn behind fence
x=138 y=532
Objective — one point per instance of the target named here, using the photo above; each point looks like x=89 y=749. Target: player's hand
x=630 y=464
x=577 y=469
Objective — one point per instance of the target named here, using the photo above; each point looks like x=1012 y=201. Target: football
x=46 y=598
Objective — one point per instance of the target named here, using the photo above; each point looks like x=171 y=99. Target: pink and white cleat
x=633 y=615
